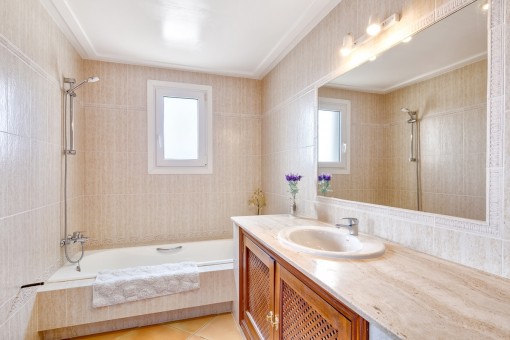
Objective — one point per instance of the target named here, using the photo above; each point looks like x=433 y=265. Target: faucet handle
x=350 y=221
x=77 y=234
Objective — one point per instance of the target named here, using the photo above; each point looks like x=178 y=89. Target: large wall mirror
x=416 y=116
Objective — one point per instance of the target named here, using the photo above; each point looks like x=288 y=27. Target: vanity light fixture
x=348 y=43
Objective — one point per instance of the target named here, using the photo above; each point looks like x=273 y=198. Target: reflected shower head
x=71 y=81
x=412 y=114
x=409 y=112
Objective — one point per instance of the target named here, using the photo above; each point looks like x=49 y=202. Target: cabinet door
x=258 y=291
x=305 y=315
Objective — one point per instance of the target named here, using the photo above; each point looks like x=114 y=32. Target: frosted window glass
x=329 y=136
x=180 y=127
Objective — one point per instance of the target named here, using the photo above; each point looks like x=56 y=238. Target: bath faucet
x=350 y=223
x=77 y=236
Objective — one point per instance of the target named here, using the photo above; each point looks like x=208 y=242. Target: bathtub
x=209 y=255
x=68 y=293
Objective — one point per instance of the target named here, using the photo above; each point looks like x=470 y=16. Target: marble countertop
x=409 y=294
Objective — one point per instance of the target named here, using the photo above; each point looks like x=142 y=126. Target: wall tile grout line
x=14 y=50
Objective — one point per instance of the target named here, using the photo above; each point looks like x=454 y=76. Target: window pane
x=180 y=128
x=329 y=136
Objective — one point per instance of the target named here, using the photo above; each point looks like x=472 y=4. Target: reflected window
x=333 y=121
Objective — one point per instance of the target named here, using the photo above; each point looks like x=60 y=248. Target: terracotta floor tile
x=115 y=335
x=191 y=325
x=213 y=327
x=223 y=327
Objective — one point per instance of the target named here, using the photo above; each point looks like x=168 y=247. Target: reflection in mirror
x=333 y=144
x=418 y=121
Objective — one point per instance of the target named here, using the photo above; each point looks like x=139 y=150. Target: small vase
x=293 y=208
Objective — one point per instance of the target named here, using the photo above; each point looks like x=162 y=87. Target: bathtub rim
x=204 y=266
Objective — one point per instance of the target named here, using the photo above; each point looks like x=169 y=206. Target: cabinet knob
x=275 y=322
x=269 y=316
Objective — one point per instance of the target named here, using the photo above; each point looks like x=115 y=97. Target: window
x=179 y=128
x=333 y=145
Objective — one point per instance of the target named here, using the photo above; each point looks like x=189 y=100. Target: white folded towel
x=131 y=284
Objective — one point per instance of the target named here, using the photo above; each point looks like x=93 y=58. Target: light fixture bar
x=390 y=21
x=387 y=23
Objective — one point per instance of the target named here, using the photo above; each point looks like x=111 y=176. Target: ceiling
x=458 y=40
x=231 y=37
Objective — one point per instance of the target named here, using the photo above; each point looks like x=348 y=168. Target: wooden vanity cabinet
x=257 y=291
x=275 y=303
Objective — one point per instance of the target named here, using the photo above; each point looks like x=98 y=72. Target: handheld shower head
x=412 y=114
x=71 y=81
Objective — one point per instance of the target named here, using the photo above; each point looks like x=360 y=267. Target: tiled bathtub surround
x=34 y=58
x=290 y=86
x=126 y=205
x=452 y=145
x=72 y=301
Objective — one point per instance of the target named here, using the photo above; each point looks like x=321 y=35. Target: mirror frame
x=495 y=135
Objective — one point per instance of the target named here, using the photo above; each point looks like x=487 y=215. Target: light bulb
x=347 y=45
x=374 y=26
x=407 y=39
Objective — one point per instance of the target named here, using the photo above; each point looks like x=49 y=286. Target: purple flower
x=324 y=182
x=325 y=177
x=293 y=177
x=292 y=180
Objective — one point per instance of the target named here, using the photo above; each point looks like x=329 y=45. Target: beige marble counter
x=408 y=294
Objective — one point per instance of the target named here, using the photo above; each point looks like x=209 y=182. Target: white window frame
x=156 y=91
x=344 y=106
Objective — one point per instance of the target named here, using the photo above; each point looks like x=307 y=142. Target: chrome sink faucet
x=350 y=223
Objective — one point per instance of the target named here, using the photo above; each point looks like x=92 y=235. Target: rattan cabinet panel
x=305 y=315
x=277 y=301
x=257 y=291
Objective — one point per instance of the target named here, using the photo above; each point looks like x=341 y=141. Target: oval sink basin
x=330 y=242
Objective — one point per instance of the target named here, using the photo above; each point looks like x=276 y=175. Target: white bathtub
x=69 y=288
x=210 y=255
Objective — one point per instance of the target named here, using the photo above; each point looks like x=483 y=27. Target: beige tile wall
x=453 y=135
x=315 y=61
x=34 y=58
x=126 y=205
x=506 y=96
x=366 y=180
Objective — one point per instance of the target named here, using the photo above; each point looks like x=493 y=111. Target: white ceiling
x=453 y=42
x=232 y=37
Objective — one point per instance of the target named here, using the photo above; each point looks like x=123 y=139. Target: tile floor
x=213 y=327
